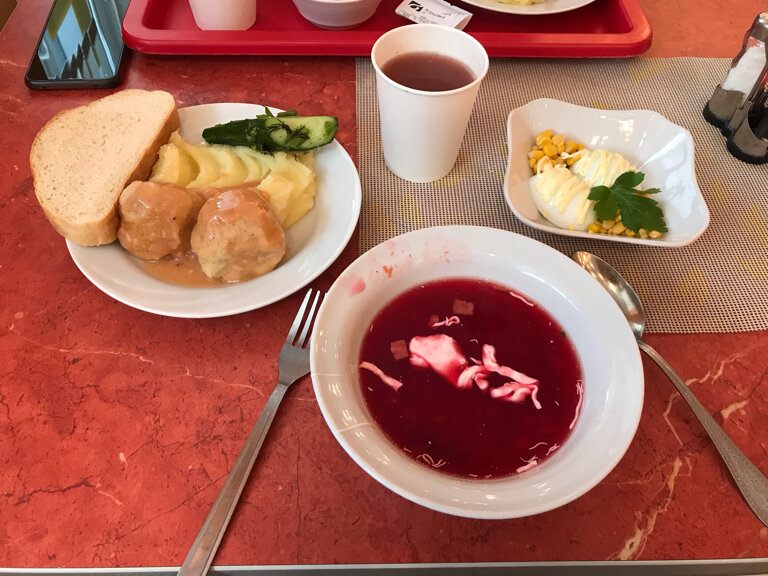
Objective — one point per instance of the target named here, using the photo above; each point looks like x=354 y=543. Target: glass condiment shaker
x=738 y=106
x=747 y=67
x=758 y=111
x=748 y=128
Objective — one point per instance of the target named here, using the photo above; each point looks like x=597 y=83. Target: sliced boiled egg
x=562 y=198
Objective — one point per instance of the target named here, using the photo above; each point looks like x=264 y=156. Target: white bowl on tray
x=663 y=151
x=337 y=14
x=609 y=357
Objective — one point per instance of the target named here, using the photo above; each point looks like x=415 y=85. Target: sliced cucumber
x=301 y=132
x=272 y=133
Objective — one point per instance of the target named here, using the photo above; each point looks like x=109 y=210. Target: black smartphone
x=81 y=46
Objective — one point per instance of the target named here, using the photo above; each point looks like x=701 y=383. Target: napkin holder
x=722 y=107
x=742 y=142
x=726 y=111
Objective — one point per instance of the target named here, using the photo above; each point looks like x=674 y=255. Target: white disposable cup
x=224 y=14
x=421 y=131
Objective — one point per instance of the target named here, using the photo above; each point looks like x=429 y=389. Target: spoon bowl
x=748 y=478
x=618 y=287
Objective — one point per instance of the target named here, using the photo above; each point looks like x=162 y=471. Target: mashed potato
x=287 y=179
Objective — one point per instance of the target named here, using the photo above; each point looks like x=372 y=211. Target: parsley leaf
x=637 y=211
x=629 y=180
x=606 y=207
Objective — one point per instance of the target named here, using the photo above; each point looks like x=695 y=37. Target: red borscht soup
x=471 y=378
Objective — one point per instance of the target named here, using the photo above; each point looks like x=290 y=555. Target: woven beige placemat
x=717 y=284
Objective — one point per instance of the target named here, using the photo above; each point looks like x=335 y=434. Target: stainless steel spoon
x=750 y=481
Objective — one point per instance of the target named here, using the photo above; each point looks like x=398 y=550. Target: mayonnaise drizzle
x=601 y=167
x=558 y=188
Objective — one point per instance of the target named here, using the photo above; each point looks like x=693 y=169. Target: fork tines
x=305 y=319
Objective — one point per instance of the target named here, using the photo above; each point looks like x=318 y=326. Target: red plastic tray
x=604 y=28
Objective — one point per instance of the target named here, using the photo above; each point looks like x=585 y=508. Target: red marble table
x=118 y=427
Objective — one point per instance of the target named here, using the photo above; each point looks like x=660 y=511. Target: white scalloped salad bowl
x=663 y=151
x=610 y=361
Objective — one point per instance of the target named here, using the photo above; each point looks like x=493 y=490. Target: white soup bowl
x=609 y=357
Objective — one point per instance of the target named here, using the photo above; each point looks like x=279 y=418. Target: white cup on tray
x=427 y=78
x=224 y=14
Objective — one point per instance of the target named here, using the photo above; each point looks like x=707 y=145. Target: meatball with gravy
x=237 y=236
x=156 y=219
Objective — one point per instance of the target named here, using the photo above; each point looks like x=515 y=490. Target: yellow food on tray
x=520 y=2
x=286 y=178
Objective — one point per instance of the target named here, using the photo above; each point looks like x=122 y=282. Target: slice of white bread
x=83 y=158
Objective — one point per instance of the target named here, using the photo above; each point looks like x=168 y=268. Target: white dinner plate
x=660 y=149
x=610 y=360
x=545 y=7
x=313 y=243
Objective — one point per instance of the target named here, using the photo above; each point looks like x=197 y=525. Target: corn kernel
x=608 y=224
x=655 y=234
x=630 y=233
x=550 y=150
x=594 y=227
x=643 y=233
x=618 y=228
x=555 y=147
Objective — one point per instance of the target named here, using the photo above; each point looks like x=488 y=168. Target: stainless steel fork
x=292 y=365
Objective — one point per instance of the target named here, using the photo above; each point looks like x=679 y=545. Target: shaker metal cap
x=760 y=27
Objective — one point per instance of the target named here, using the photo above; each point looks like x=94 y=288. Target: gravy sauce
x=181 y=268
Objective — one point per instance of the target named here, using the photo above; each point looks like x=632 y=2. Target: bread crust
x=102 y=230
